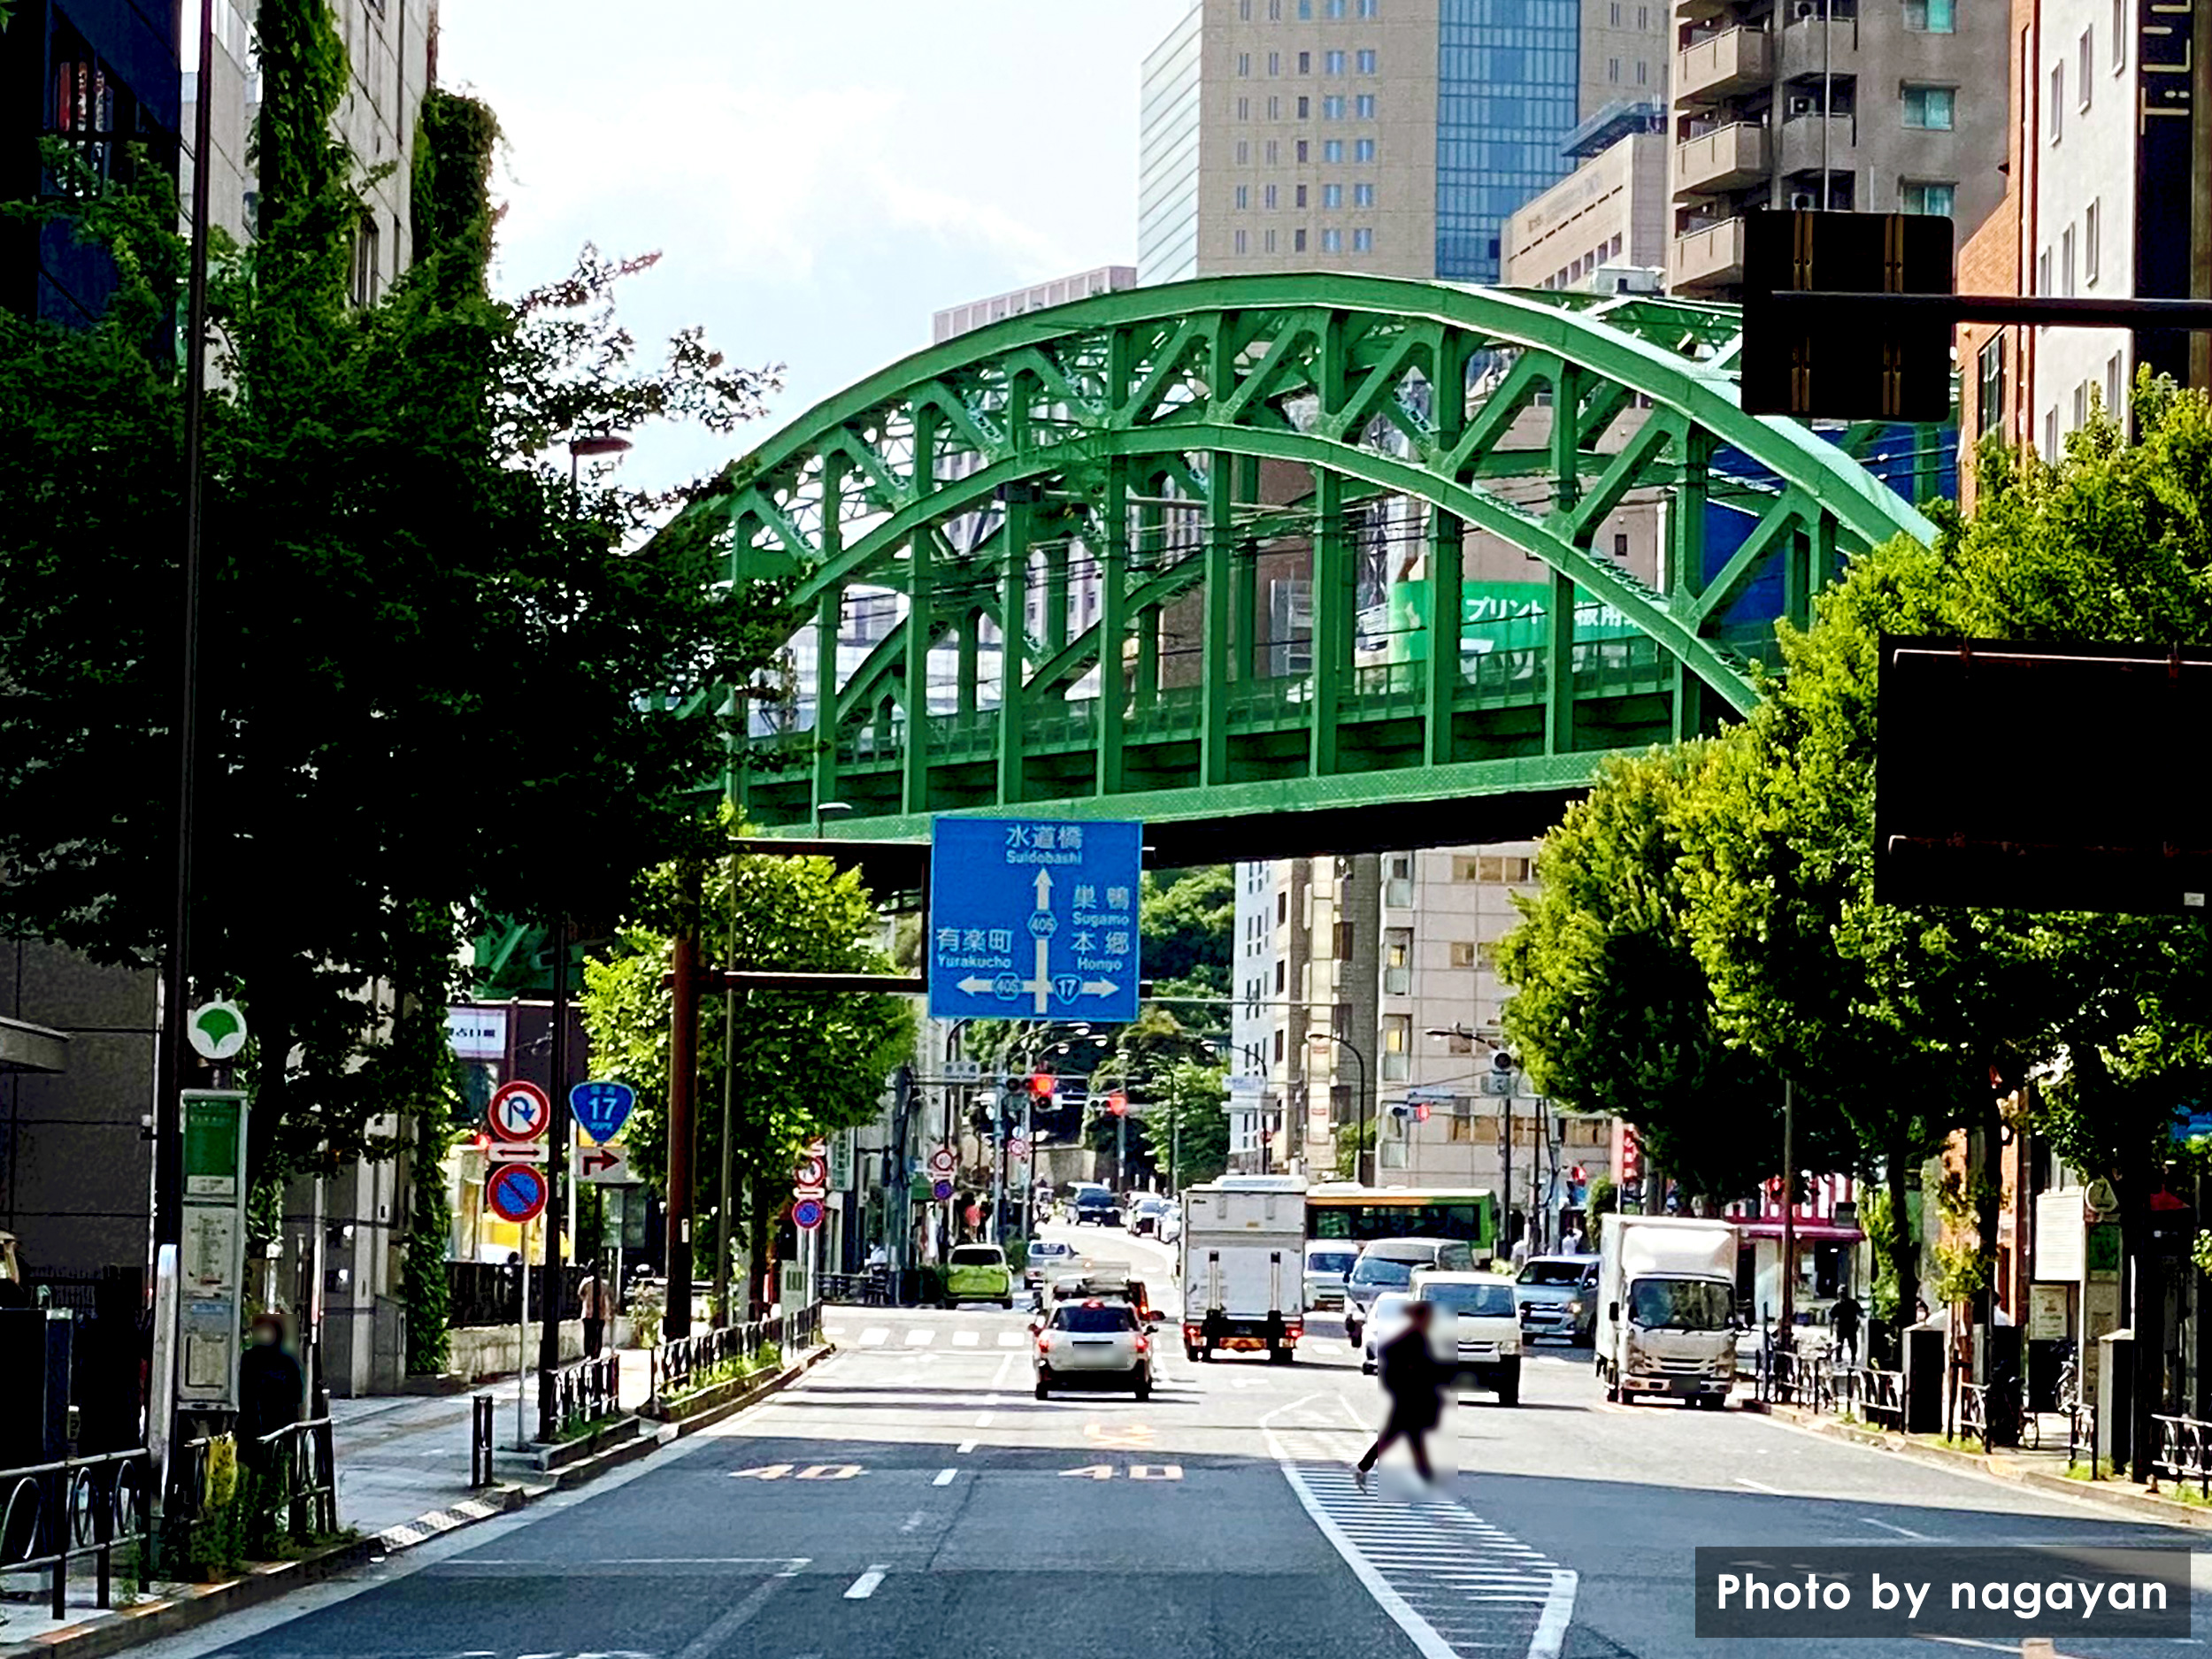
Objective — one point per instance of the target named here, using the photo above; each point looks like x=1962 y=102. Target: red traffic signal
x=1576 y=1175
x=1420 y=1112
x=1041 y=1084
x=1117 y=1103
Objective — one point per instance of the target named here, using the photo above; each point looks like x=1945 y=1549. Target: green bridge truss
x=1042 y=561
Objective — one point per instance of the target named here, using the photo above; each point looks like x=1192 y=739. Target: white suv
x=1094 y=1340
x=1478 y=1311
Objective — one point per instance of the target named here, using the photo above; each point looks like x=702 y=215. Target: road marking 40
x=812 y=1472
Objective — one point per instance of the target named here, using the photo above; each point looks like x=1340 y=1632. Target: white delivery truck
x=1666 y=1308
x=1243 y=1267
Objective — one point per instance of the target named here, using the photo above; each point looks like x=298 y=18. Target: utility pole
x=1789 y=1213
x=683 y=1077
x=1505 y=1231
x=554 y=1301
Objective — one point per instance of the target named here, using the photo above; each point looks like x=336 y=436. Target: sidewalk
x=405 y=1459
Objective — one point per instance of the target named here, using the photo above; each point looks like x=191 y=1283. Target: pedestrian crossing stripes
x=920 y=1336
x=1456 y=1585
x=425 y=1527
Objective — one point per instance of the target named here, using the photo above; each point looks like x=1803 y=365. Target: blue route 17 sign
x=1033 y=918
x=601 y=1108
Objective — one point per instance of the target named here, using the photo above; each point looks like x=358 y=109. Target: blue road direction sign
x=1033 y=918
x=601 y=1108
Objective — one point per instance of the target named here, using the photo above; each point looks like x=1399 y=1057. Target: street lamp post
x=1322 y=1040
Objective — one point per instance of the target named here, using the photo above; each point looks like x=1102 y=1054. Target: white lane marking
x=875 y=1336
x=1901 y=1532
x=966 y=1339
x=1969 y=1641
x=1551 y=1623
x=1010 y=1339
x=963 y=1448
x=944 y=1477
x=1760 y=1486
x=921 y=1338
x=1005 y=1368
x=914 y=1520
x=983 y=1419
x=865 y=1586
x=716 y=1638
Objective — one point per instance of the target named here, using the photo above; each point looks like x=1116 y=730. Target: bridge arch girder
x=1116 y=447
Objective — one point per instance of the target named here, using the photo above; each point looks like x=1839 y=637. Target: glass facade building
x=1508 y=76
x=1167 y=168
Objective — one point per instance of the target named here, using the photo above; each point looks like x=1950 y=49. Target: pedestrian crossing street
x=857 y=1334
x=1456 y=1585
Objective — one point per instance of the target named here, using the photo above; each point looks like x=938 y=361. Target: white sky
x=819 y=175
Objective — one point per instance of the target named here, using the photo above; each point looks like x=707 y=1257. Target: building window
x=1363 y=106
x=1240 y=238
x=1268 y=239
x=1298 y=240
x=1989 y=407
x=1397 y=1040
x=1275 y=109
x=1612 y=69
x=1614 y=18
x=1244 y=11
x=1362 y=150
x=1331 y=149
x=1332 y=195
x=1244 y=66
x=1370 y=8
x=1362 y=240
x=1274 y=151
x=1620 y=545
x=1301 y=150
x=1305 y=62
x=1363 y=196
x=1398 y=893
x=2112 y=384
x=1244 y=109
x=1331 y=241
x=1929 y=17
x=2087 y=61
x=1366 y=61
x=2119 y=35
x=2081 y=406
x=1930 y=108
x=1917 y=196
x=1462 y=952
x=1643 y=17
x=1465 y=868
x=1267 y=197
x=1332 y=108
x=2050 y=437
x=1305 y=107
x=1242 y=197
x=1397 y=961
x=1305 y=11
x=2092 y=227
x=2066 y=264
x=367 y=266
x=1274 y=63
x=2058 y=101
x=1244 y=152
x=1281 y=981
x=1336 y=8
x=1332 y=63
x=1643 y=72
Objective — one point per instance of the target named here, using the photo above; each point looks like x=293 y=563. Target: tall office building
x=2104 y=198
x=1828 y=104
x=1390 y=136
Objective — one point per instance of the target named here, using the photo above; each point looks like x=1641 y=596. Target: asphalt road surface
x=909 y=1500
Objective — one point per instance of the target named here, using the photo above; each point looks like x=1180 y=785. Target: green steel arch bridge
x=1225 y=556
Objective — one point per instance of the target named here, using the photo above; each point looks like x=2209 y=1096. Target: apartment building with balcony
x=1860 y=106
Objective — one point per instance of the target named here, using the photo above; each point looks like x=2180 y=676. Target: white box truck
x=1243 y=1267
x=1667 y=1308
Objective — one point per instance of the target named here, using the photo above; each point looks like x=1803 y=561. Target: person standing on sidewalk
x=593 y=1301
x=1414 y=1379
x=1845 y=1317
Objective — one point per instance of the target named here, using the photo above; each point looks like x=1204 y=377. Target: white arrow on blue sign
x=601 y=1108
x=1033 y=918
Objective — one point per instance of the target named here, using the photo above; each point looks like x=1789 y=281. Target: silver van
x=1388 y=1265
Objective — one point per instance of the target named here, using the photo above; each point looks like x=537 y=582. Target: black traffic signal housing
x=1838 y=362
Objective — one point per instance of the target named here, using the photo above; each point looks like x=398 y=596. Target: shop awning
x=26 y=1048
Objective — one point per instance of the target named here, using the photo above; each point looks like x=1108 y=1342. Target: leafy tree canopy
x=1186 y=924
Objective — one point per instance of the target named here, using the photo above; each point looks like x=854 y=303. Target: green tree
x=424 y=690
x=1185 y=1122
x=1186 y=924
x=803 y=1064
x=1612 y=1011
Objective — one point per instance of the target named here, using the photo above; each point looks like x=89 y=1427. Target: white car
x=1049 y=1259
x=1385 y=1319
x=1478 y=1316
x=1094 y=1340
x=1328 y=1264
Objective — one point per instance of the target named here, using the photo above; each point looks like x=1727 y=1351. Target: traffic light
x=1814 y=360
x=1041 y=1084
x=1420 y=1112
x=1117 y=1103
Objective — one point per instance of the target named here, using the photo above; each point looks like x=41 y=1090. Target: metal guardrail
x=2184 y=1451
x=54 y=1514
x=1878 y=1397
x=1979 y=1403
x=297 y=1471
x=858 y=1290
x=587 y=1390
x=690 y=1360
x=481 y=1441
x=1797 y=1379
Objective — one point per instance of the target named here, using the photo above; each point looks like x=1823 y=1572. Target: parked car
x=1557 y=1296
x=1094 y=1339
x=1388 y=1265
x=1328 y=1262
x=1480 y=1322
x=978 y=1273
x=1046 y=1259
